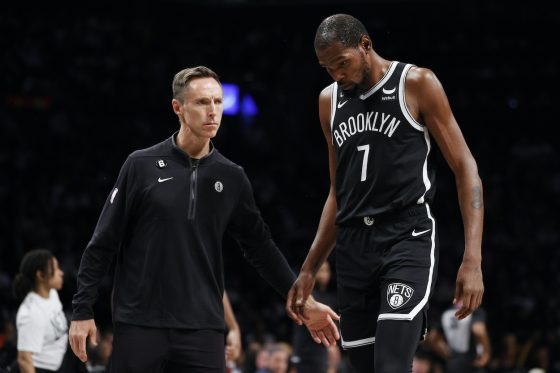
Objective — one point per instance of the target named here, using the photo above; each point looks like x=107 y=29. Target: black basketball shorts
x=386 y=270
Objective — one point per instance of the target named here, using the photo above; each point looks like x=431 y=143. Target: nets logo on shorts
x=398 y=294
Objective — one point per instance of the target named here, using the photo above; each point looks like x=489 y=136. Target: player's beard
x=364 y=84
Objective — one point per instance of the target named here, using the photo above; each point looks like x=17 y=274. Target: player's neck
x=379 y=67
x=196 y=147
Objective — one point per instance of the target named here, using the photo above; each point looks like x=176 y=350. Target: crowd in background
x=82 y=90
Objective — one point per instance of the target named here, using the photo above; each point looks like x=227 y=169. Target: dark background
x=82 y=88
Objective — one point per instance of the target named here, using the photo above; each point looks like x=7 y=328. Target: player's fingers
x=290 y=298
x=301 y=312
x=301 y=297
x=300 y=304
x=458 y=292
x=291 y=308
x=473 y=301
x=293 y=315
x=479 y=298
x=460 y=314
x=466 y=307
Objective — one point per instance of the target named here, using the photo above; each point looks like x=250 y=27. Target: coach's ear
x=176 y=105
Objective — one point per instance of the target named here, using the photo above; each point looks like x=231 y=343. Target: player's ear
x=365 y=42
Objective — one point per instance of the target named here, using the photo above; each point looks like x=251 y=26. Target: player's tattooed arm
x=476 y=202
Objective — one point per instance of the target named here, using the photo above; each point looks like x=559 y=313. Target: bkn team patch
x=398 y=294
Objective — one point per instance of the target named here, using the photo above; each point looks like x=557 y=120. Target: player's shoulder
x=327 y=92
x=420 y=77
x=325 y=99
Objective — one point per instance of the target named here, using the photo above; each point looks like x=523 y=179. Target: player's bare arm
x=428 y=103
x=326 y=232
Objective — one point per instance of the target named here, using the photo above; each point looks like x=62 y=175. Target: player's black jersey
x=382 y=152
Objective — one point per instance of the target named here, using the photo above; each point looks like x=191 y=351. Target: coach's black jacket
x=164 y=222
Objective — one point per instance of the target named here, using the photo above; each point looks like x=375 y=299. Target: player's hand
x=233 y=345
x=468 y=289
x=80 y=330
x=319 y=321
x=298 y=295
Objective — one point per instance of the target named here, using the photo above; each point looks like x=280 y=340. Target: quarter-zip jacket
x=164 y=222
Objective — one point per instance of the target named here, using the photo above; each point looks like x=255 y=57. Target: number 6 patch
x=161 y=163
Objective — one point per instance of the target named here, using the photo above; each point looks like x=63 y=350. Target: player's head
x=342 y=44
x=38 y=268
x=197 y=100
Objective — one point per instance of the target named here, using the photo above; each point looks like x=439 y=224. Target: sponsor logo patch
x=398 y=294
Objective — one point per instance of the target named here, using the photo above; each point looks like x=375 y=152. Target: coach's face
x=201 y=109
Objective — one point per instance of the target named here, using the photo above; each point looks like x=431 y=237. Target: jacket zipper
x=192 y=204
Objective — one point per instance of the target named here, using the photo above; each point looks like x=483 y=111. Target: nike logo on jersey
x=389 y=91
x=414 y=233
x=341 y=104
x=162 y=180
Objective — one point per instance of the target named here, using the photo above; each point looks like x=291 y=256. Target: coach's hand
x=468 y=289
x=79 y=331
x=298 y=295
x=233 y=345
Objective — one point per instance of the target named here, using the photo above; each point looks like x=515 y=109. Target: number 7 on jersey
x=365 y=148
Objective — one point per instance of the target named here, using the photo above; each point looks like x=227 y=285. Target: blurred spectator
x=8 y=346
x=42 y=328
x=464 y=344
x=262 y=361
x=279 y=359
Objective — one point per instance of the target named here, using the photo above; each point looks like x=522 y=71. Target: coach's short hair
x=183 y=77
x=341 y=28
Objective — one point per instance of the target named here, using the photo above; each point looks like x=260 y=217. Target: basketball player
x=163 y=224
x=380 y=118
